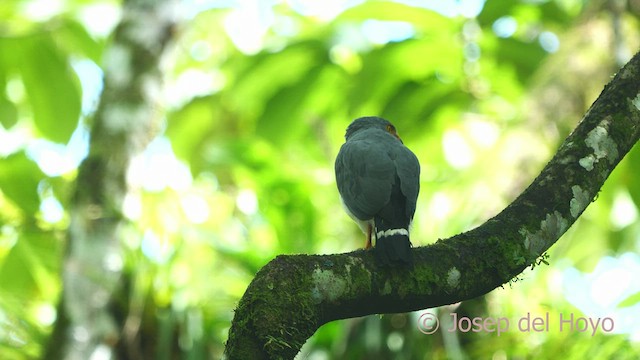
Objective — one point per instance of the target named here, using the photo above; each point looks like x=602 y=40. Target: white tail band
x=391 y=232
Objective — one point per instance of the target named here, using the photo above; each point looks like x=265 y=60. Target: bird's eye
x=392 y=130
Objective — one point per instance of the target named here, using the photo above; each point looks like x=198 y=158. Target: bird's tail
x=393 y=245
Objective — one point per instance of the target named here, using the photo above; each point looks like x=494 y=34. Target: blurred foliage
x=258 y=97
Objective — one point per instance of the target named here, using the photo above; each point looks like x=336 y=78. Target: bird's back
x=378 y=180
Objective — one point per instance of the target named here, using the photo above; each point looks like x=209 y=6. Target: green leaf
x=494 y=9
x=413 y=103
x=8 y=113
x=553 y=11
x=525 y=57
x=19 y=178
x=390 y=11
x=31 y=266
x=75 y=38
x=52 y=88
x=630 y=301
x=372 y=89
x=189 y=126
x=8 y=110
x=282 y=118
x=250 y=92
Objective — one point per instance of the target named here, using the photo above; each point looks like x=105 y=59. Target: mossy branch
x=292 y=296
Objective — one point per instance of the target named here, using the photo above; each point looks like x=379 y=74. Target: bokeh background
x=257 y=97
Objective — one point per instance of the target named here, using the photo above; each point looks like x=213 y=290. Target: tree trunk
x=126 y=119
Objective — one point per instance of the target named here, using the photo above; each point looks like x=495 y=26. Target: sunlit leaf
x=250 y=91
x=56 y=105
x=31 y=267
x=412 y=60
x=283 y=116
x=73 y=36
x=414 y=104
x=188 y=127
x=19 y=178
x=630 y=301
x=423 y=19
x=8 y=110
x=8 y=113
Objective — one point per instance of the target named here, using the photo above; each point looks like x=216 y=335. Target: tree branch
x=292 y=296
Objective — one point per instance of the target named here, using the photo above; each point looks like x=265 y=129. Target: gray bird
x=378 y=181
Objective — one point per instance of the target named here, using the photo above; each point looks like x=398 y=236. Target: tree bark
x=126 y=119
x=292 y=296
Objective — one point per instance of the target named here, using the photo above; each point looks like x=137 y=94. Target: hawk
x=378 y=182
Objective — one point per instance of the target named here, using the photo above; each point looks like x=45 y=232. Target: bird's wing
x=365 y=174
x=408 y=169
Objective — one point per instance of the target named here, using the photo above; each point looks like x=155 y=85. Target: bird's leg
x=369 y=230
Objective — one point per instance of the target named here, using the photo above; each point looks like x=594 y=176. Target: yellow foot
x=367 y=245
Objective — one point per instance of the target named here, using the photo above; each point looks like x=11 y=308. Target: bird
x=378 y=179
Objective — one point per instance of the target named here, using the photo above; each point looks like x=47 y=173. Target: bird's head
x=371 y=122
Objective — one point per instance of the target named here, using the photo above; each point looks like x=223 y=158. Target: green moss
x=265 y=318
